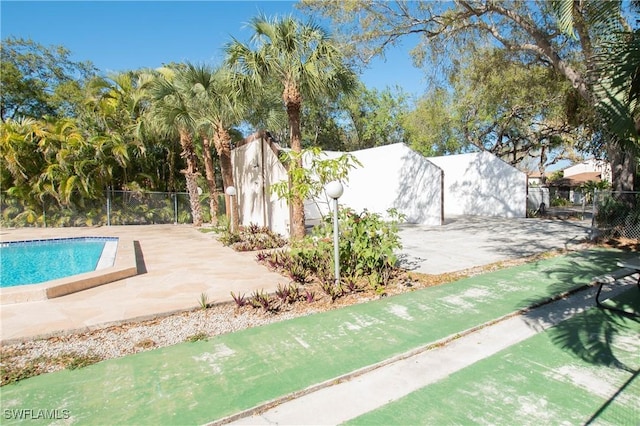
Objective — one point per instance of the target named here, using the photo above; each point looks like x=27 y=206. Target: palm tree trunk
x=297 y=204
x=191 y=175
x=222 y=141
x=211 y=180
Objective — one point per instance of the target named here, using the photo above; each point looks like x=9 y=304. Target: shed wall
x=481 y=184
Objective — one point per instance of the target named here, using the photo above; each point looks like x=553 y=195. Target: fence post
x=108 y=207
x=593 y=213
x=44 y=214
x=175 y=208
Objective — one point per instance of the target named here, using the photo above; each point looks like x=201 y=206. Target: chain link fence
x=616 y=215
x=115 y=208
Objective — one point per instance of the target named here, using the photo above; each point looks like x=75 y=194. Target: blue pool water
x=32 y=262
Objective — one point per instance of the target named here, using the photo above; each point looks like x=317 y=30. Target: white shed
x=391 y=176
x=481 y=184
x=425 y=190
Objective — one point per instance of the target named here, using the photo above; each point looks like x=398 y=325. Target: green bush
x=560 y=202
x=367 y=246
x=252 y=237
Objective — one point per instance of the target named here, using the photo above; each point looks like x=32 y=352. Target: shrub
x=367 y=248
x=367 y=243
x=252 y=238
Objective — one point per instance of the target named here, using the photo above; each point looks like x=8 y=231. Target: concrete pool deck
x=177 y=263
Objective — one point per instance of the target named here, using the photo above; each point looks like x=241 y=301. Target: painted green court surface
x=194 y=383
x=583 y=371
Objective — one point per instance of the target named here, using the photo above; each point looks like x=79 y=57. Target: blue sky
x=122 y=35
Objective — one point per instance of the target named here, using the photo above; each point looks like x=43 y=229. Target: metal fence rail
x=616 y=214
x=115 y=208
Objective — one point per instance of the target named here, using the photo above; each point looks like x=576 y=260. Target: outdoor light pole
x=334 y=190
x=231 y=192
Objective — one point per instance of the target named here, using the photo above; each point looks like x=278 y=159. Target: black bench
x=611 y=278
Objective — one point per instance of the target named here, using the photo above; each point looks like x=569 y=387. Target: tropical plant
x=309 y=182
x=589 y=188
x=203 y=301
x=218 y=106
x=306 y=64
x=240 y=299
x=262 y=299
x=197 y=337
x=172 y=114
x=252 y=237
x=112 y=114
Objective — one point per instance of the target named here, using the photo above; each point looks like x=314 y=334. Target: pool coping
x=124 y=266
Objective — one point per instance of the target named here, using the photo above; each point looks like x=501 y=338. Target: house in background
x=425 y=190
x=569 y=186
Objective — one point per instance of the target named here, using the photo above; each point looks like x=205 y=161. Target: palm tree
x=218 y=106
x=305 y=62
x=614 y=69
x=172 y=115
x=112 y=115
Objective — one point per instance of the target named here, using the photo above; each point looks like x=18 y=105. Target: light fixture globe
x=230 y=191
x=334 y=189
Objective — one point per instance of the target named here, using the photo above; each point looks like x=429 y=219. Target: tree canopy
x=36 y=80
x=529 y=31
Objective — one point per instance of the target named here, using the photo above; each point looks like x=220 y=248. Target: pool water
x=33 y=262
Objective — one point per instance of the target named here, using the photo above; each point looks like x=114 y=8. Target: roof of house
x=577 y=179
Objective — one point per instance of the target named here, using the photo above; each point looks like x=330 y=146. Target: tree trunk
x=623 y=167
x=211 y=180
x=222 y=141
x=191 y=176
x=293 y=102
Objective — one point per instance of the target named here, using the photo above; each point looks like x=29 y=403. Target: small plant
x=229 y=238
x=12 y=374
x=288 y=293
x=262 y=256
x=252 y=238
x=278 y=260
x=197 y=337
x=350 y=284
x=283 y=292
x=376 y=283
x=309 y=296
x=73 y=361
x=239 y=299
x=146 y=344
x=294 y=293
x=297 y=271
x=332 y=290
x=203 y=301
x=261 y=299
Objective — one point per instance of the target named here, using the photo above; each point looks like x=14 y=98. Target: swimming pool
x=38 y=261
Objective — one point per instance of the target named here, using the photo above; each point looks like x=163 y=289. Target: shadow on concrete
x=141 y=265
x=588 y=335
x=467 y=241
x=611 y=400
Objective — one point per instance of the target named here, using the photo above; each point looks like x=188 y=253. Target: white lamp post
x=334 y=190
x=231 y=192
